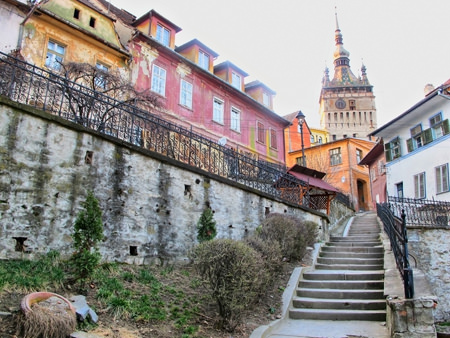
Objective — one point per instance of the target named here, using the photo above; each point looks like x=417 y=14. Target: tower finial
x=335 y=14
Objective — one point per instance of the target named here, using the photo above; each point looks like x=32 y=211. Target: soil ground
x=111 y=326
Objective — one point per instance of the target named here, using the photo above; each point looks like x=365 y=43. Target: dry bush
x=293 y=234
x=272 y=256
x=232 y=271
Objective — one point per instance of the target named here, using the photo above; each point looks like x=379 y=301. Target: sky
x=286 y=44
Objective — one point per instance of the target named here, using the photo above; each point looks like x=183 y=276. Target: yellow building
x=319 y=136
x=60 y=31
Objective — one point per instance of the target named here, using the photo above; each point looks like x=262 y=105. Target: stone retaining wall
x=150 y=204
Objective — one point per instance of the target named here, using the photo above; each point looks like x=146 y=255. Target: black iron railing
x=421 y=213
x=27 y=84
x=395 y=228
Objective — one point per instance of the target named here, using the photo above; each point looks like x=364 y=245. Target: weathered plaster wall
x=150 y=205
x=430 y=248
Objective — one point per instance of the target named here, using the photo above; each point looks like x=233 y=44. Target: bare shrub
x=232 y=271
x=293 y=234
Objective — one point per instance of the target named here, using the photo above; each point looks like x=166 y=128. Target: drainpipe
x=22 y=24
x=351 y=173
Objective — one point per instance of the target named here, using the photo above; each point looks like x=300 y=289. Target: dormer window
x=266 y=101
x=203 y=60
x=163 y=35
x=236 y=80
x=92 y=22
x=76 y=13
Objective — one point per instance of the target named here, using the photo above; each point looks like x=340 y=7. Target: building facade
x=347 y=103
x=416 y=147
x=340 y=161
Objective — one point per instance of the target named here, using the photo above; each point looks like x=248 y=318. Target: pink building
x=375 y=160
x=211 y=99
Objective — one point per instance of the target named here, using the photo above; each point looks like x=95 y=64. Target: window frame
x=273 y=138
x=359 y=155
x=203 y=60
x=218 y=114
x=236 y=80
x=335 y=156
x=160 y=36
x=235 y=119
x=419 y=185
x=55 y=64
x=260 y=132
x=186 y=93
x=100 y=80
x=158 y=81
x=442 y=179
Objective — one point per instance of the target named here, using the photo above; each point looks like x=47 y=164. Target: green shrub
x=206 y=226
x=231 y=271
x=88 y=232
x=292 y=234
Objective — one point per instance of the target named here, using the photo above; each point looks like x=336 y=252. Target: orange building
x=340 y=161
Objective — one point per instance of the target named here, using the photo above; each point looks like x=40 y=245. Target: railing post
x=408 y=273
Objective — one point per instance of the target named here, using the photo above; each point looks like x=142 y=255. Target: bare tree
x=95 y=97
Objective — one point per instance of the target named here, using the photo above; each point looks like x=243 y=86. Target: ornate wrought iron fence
x=395 y=228
x=421 y=213
x=27 y=84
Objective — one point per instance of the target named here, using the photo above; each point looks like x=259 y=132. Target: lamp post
x=301 y=119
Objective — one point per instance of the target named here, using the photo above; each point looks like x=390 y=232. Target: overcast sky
x=286 y=44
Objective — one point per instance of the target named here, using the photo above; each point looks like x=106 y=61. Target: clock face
x=340 y=104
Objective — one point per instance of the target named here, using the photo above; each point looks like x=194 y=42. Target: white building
x=417 y=148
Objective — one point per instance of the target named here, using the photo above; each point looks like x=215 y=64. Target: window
x=399 y=187
x=438 y=126
x=372 y=174
x=381 y=167
x=235 y=119
x=163 y=35
x=236 y=80
x=100 y=78
x=419 y=185
x=266 y=100
x=159 y=80
x=418 y=138
x=186 y=94
x=273 y=139
x=311 y=139
x=203 y=60
x=352 y=104
x=392 y=149
x=76 y=13
x=218 y=110
x=335 y=156
x=319 y=140
x=55 y=55
x=359 y=155
x=92 y=22
x=261 y=133
x=441 y=178
x=299 y=160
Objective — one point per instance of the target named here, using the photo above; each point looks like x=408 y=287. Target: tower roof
x=343 y=75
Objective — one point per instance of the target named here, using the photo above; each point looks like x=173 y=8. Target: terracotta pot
x=37 y=297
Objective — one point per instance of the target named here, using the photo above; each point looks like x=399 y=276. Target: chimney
x=428 y=89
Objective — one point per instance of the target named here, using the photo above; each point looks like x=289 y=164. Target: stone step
x=349 y=267
x=355 y=249
x=345 y=254
x=327 y=314
x=340 y=293
x=350 y=244
x=371 y=238
x=333 y=284
x=347 y=275
x=339 y=304
x=354 y=261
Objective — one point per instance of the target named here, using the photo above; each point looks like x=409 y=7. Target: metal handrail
x=395 y=228
x=25 y=83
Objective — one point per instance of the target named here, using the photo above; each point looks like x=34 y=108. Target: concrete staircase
x=347 y=280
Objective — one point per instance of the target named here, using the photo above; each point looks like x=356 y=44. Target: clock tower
x=347 y=103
